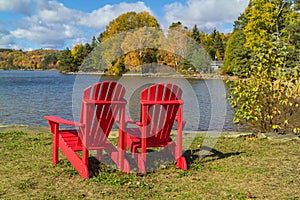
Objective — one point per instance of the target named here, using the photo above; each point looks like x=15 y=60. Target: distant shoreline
x=212 y=76
x=203 y=76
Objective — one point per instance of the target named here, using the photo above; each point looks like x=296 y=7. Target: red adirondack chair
x=161 y=106
x=102 y=103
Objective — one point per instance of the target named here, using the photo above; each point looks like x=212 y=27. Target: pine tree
x=195 y=34
x=66 y=61
x=94 y=42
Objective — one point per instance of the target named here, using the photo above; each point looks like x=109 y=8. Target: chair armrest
x=171 y=102
x=128 y=120
x=59 y=120
x=89 y=101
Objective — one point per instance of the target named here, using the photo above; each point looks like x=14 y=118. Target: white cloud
x=207 y=14
x=53 y=25
x=47 y=36
x=5 y=37
x=21 y=6
x=53 y=11
x=5 y=40
x=101 y=17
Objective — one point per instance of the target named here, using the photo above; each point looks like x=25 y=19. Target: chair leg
x=141 y=163
x=181 y=163
x=123 y=163
x=79 y=163
x=85 y=156
x=140 y=160
x=55 y=145
x=177 y=153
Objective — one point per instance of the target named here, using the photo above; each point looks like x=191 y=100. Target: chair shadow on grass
x=157 y=159
x=211 y=154
x=160 y=160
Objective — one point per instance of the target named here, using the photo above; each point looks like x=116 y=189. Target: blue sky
x=57 y=24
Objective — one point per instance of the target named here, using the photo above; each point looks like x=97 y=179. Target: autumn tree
x=79 y=53
x=18 y=59
x=175 y=45
x=10 y=63
x=135 y=39
x=114 y=37
x=128 y=21
x=140 y=47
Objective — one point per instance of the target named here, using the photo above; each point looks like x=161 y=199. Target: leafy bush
x=269 y=93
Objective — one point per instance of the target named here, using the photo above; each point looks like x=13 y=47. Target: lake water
x=27 y=96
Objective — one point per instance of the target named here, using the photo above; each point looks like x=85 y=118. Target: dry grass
x=236 y=169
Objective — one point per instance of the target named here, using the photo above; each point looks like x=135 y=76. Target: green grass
x=236 y=169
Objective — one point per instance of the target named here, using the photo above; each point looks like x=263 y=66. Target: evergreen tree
x=94 y=42
x=217 y=45
x=50 y=59
x=236 y=57
x=195 y=34
x=66 y=61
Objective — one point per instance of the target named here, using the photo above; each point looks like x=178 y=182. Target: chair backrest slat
x=99 y=118
x=103 y=112
x=160 y=118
